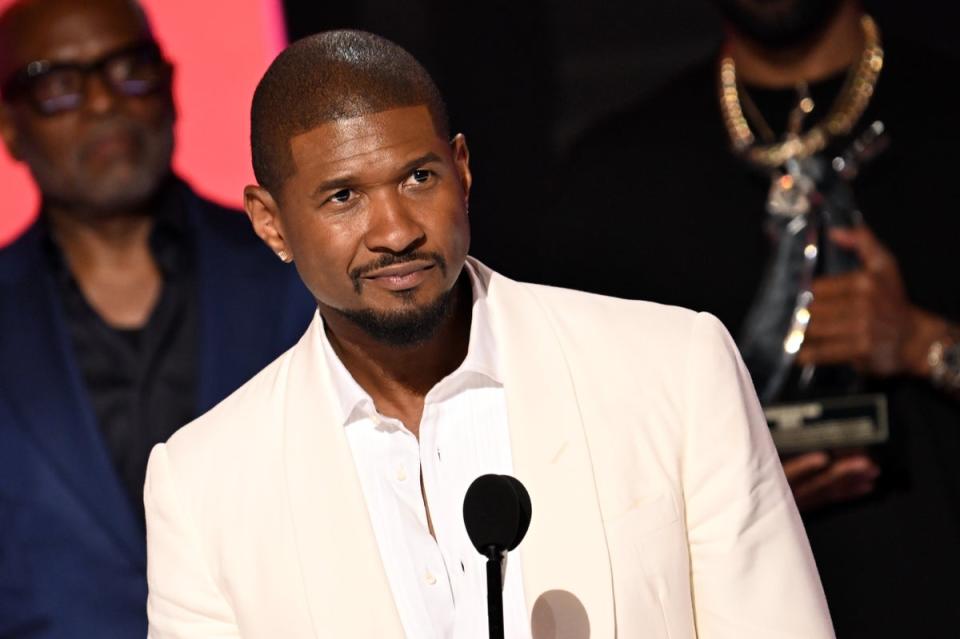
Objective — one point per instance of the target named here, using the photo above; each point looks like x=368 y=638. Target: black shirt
x=652 y=204
x=142 y=383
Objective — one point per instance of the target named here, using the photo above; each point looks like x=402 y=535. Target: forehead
x=366 y=143
x=67 y=31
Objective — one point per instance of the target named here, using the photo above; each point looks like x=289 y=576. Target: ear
x=461 y=160
x=8 y=132
x=263 y=212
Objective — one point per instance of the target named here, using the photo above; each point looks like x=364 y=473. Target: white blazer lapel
x=566 y=566
x=348 y=591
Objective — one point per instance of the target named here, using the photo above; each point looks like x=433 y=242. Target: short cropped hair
x=331 y=76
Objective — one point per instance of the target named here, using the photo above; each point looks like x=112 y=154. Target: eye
x=57 y=83
x=341 y=196
x=420 y=176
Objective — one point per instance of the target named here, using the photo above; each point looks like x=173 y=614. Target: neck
x=90 y=239
x=399 y=377
x=833 y=49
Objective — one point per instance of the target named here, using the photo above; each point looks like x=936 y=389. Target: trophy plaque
x=828 y=423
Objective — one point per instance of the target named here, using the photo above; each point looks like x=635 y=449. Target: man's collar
x=481 y=359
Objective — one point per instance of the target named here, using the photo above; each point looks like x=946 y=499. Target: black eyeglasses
x=55 y=87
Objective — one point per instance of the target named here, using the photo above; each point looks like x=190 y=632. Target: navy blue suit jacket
x=72 y=554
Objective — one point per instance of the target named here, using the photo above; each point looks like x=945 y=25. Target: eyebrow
x=348 y=181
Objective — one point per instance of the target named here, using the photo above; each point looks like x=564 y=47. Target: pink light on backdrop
x=220 y=49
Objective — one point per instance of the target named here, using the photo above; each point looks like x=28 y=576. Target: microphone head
x=496 y=511
x=526 y=510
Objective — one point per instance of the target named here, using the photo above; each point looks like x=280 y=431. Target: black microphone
x=496 y=511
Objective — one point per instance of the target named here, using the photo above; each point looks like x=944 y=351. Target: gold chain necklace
x=846 y=110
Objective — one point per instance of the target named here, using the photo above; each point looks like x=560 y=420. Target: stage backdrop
x=220 y=49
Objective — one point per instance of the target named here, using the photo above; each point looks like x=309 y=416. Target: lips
x=109 y=148
x=400 y=277
x=110 y=141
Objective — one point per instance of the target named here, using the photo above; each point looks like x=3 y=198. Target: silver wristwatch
x=944 y=360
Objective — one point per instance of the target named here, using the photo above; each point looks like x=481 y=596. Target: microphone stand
x=495 y=592
x=496 y=513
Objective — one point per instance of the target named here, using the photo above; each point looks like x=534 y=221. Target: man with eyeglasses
x=128 y=308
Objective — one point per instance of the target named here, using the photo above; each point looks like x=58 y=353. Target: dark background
x=523 y=79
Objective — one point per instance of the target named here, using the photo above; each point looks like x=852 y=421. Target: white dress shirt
x=439 y=585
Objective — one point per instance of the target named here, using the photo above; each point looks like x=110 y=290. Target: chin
x=779 y=23
x=407 y=324
x=124 y=188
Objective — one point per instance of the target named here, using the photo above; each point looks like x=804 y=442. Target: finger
x=847 y=490
x=838 y=324
x=833 y=309
x=860 y=239
x=802 y=466
x=837 y=481
x=858 y=466
x=844 y=453
x=811 y=493
x=829 y=351
x=841 y=286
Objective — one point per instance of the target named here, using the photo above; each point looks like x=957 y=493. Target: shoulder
x=654 y=369
x=236 y=431
x=224 y=232
x=21 y=255
x=226 y=223
x=575 y=310
x=605 y=328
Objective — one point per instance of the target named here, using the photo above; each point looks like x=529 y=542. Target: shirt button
x=401 y=474
x=430 y=579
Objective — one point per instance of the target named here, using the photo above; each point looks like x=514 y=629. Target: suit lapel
x=565 y=549
x=43 y=385
x=348 y=592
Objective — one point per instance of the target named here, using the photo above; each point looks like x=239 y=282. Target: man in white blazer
x=293 y=509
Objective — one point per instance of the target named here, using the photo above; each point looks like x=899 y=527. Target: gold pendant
x=790 y=192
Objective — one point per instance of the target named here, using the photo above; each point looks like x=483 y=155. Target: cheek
x=324 y=254
x=317 y=272
x=454 y=231
x=156 y=113
x=49 y=141
x=463 y=232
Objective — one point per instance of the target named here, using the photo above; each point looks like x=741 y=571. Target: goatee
x=407 y=327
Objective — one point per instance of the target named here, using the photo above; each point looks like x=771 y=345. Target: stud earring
x=283 y=256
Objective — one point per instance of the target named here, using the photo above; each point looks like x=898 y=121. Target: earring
x=283 y=256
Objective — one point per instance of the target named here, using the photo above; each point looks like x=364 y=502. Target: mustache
x=389 y=259
x=106 y=131
x=118 y=124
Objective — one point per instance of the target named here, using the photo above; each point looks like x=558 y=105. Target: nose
x=392 y=226
x=99 y=98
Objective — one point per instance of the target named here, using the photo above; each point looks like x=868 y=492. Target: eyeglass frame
x=18 y=83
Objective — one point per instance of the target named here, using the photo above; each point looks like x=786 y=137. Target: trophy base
x=832 y=423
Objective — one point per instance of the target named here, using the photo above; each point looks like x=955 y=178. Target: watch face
x=951 y=358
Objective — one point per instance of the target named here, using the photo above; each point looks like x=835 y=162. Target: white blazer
x=659 y=506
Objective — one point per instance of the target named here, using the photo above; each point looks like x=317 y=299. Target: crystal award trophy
x=811 y=407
